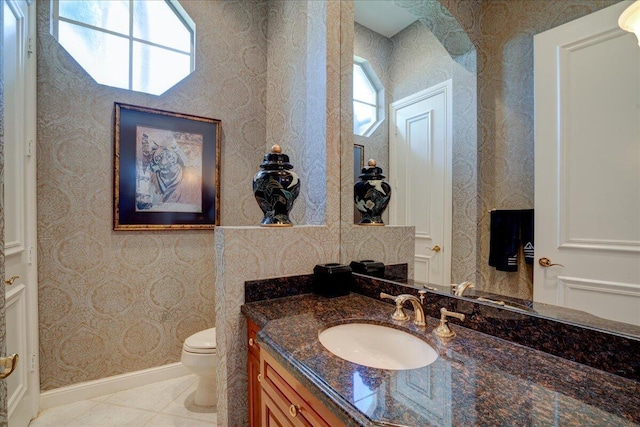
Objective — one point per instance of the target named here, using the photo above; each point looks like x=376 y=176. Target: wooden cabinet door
x=272 y=414
x=293 y=401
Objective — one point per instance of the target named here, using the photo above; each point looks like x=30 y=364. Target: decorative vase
x=371 y=194
x=276 y=188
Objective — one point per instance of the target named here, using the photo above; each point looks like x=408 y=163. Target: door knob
x=546 y=262
x=435 y=249
x=8 y=365
x=10 y=281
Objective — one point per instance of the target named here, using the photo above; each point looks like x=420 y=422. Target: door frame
x=30 y=360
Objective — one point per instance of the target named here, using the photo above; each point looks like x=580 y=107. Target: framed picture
x=166 y=170
x=358 y=164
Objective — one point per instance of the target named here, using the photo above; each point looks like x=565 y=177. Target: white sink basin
x=377 y=346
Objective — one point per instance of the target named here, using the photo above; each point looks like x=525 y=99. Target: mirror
x=394 y=46
x=493 y=161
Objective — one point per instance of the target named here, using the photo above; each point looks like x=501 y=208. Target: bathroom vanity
x=477 y=379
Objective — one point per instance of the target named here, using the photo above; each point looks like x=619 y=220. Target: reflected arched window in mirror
x=144 y=46
x=368 y=98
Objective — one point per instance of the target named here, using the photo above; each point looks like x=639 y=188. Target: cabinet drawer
x=300 y=406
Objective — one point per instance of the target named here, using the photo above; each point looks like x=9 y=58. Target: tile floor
x=163 y=404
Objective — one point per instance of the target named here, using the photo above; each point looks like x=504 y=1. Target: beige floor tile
x=183 y=406
x=152 y=397
x=140 y=406
x=108 y=415
x=61 y=415
x=164 y=420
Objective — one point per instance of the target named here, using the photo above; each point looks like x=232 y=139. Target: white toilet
x=200 y=356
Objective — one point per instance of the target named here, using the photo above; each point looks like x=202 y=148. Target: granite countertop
x=477 y=379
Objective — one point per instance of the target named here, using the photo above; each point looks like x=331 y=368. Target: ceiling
x=382 y=16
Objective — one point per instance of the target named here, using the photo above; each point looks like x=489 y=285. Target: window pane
x=364 y=116
x=362 y=88
x=104 y=56
x=111 y=15
x=155 y=21
x=155 y=69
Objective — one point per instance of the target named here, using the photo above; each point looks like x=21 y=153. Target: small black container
x=332 y=280
x=368 y=267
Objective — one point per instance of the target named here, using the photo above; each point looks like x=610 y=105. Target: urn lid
x=371 y=171
x=276 y=159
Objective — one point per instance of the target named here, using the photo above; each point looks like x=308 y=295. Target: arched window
x=368 y=98
x=145 y=46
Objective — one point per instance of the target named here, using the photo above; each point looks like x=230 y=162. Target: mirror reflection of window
x=141 y=46
x=368 y=98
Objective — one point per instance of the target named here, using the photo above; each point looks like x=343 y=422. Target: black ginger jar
x=276 y=187
x=371 y=194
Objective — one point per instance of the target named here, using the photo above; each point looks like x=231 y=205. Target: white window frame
x=173 y=4
x=375 y=82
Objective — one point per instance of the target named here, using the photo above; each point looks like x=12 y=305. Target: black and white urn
x=371 y=194
x=276 y=187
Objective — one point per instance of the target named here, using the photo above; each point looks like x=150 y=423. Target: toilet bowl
x=200 y=356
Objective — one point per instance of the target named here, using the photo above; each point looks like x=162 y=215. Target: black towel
x=504 y=243
x=526 y=234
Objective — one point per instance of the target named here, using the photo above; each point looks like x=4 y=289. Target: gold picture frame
x=166 y=170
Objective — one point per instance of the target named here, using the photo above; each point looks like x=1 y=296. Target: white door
x=587 y=166
x=20 y=209
x=420 y=175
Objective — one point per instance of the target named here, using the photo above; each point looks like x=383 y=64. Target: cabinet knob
x=293 y=410
x=251 y=342
x=259 y=378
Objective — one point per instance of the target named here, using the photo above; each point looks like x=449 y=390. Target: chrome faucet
x=459 y=291
x=399 y=313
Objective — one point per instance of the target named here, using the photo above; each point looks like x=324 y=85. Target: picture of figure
x=168 y=171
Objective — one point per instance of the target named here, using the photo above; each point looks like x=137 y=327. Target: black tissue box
x=332 y=280
x=368 y=267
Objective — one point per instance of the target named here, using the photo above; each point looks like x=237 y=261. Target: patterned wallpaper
x=247 y=253
x=295 y=97
x=436 y=15
x=114 y=302
x=3 y=331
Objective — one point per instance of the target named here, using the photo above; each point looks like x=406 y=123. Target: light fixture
x=630 y=19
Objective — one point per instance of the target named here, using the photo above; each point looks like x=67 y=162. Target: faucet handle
x=443 y=329
x=399 y=313
x=421 y=294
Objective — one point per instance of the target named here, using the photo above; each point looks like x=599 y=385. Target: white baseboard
x=103 y=386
